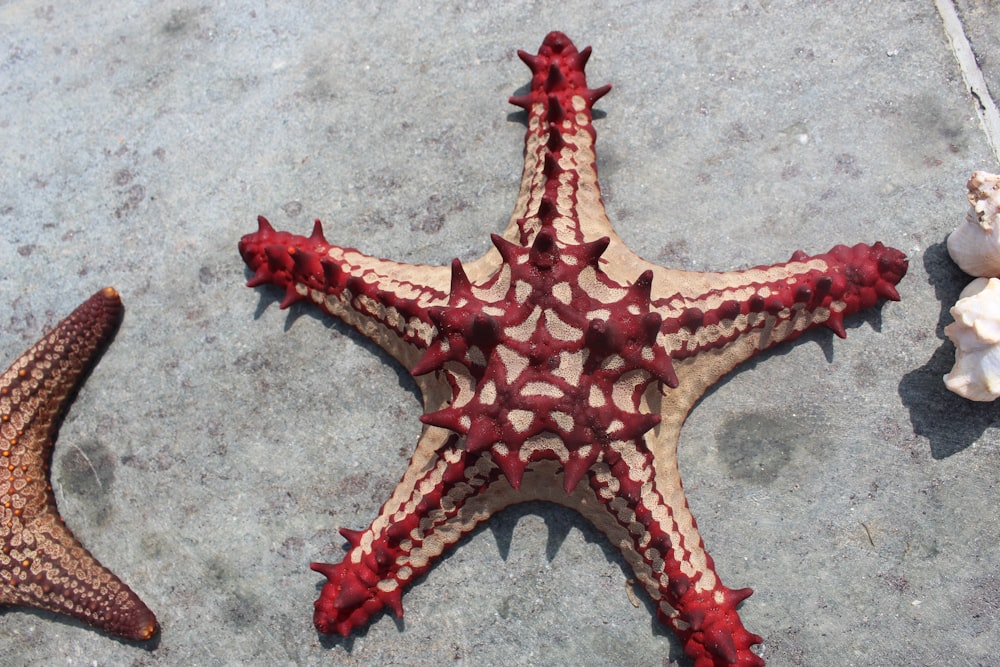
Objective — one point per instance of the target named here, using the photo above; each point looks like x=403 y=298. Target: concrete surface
x=221 y=442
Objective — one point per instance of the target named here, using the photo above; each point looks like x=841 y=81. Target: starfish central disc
x=549 y=358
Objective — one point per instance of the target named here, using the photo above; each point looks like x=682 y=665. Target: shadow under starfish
x=560 y=367
x=42 y=565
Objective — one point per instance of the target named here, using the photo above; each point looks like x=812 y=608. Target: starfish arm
x=559 y=179
x=635 y=497
x=443 y=495
x=386 y=301
x=718 y=320
x=42 y=564
x=54 y=572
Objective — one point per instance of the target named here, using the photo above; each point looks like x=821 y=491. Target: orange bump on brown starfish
x=42 y=564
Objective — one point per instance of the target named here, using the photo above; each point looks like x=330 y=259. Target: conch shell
x=975 y=245
x=976 y=335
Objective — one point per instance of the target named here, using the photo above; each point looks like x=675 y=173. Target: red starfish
x=41 y=564
x=560 y=366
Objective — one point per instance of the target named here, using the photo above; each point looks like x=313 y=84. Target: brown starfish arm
x=51 y=570
x=37 y=389
x=41 y=564
x=386 y=301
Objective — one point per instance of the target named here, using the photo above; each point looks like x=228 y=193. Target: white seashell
x=975 y=245
x=976 y=335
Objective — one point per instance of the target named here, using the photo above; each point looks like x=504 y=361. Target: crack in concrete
x=986 y=106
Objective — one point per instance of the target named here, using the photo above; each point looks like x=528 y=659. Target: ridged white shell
x=976 y=335
x=975 y=245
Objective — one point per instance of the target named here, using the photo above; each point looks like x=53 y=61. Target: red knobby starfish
x=560 y=366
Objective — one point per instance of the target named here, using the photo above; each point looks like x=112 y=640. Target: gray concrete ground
x=221 y=442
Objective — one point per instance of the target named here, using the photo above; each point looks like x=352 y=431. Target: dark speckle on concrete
x=86 y=476
x=757 y=446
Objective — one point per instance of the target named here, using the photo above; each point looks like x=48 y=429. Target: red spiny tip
x=291 y=297
x=507 y=250
x=594 y=94
x=263 y=225
x=317 y=233
x=593 y=250
x=523 y=101
x=576 y=467
x=555 y=80
x=512 y=467
x=528 y=59
x=836 y=324
x=352 y=536
x=461 y=288
x=557 y=76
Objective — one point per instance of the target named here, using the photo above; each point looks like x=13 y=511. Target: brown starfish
x=42 y=564
x=560 y=366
